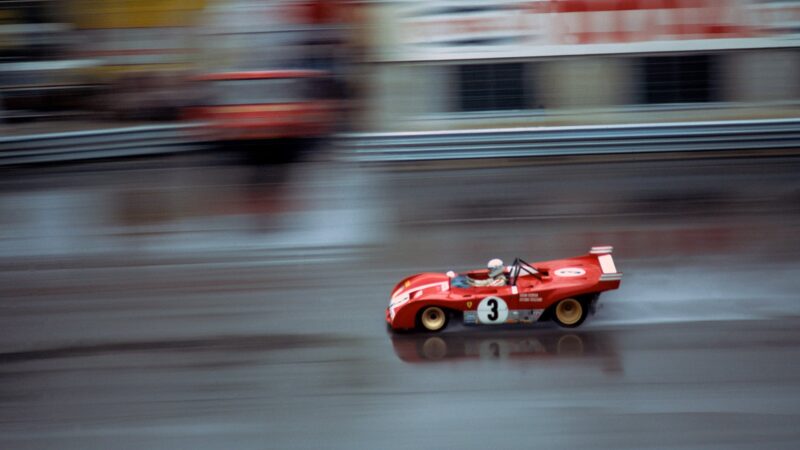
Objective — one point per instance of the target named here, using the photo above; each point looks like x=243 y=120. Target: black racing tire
x=432 y=319
x=570 y=312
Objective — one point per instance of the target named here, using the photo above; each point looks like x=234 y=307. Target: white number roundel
x=570 y=272
x=492 y=310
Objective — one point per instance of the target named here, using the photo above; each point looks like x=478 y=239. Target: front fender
x=405 y=316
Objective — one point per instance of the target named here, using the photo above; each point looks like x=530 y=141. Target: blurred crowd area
x=398 y=65
x=143 y=60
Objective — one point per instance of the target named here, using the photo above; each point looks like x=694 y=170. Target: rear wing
x=606 y=263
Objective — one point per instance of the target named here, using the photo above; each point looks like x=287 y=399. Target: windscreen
x=258 y=91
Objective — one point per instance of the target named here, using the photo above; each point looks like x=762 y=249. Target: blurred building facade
x=134 y=59
x=436 y=64
x=413 y=64
x=142 y=52
x=37 y=79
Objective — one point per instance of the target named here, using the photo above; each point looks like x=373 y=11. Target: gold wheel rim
x=569 y=311
x=433 y=318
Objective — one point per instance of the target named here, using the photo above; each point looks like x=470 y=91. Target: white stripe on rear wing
x=607 y=263
x=608 y=267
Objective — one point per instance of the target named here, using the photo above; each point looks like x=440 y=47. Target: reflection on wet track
x=544 y=346
x=191 y=302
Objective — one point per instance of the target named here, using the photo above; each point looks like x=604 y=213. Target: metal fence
x=109 y=143
x=434 y=145
x=571 y=140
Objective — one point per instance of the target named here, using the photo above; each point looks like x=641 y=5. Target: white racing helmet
x=495 y=267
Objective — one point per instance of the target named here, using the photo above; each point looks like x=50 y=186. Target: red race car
x=564 y=290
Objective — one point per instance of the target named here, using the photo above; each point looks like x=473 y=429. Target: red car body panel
x=260 y=75
x=526 y=301
x=311 y=118
x=303 y=115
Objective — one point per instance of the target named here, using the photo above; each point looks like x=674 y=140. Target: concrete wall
x=587 y=82
x=762 y=75
x=576 y=90
x=399 y=92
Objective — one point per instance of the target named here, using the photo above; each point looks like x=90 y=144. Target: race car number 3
x=492 y=310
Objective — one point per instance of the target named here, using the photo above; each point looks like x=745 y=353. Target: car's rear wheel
x=433 y=318
x=570 y=313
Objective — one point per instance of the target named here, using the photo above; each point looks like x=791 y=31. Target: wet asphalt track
x=178 y=303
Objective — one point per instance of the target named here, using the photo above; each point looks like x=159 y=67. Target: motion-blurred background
x=205 y=203
x=402 y=65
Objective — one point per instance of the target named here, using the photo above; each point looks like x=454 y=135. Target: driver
x=496 y=276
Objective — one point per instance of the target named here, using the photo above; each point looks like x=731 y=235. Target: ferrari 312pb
x=563 y=290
